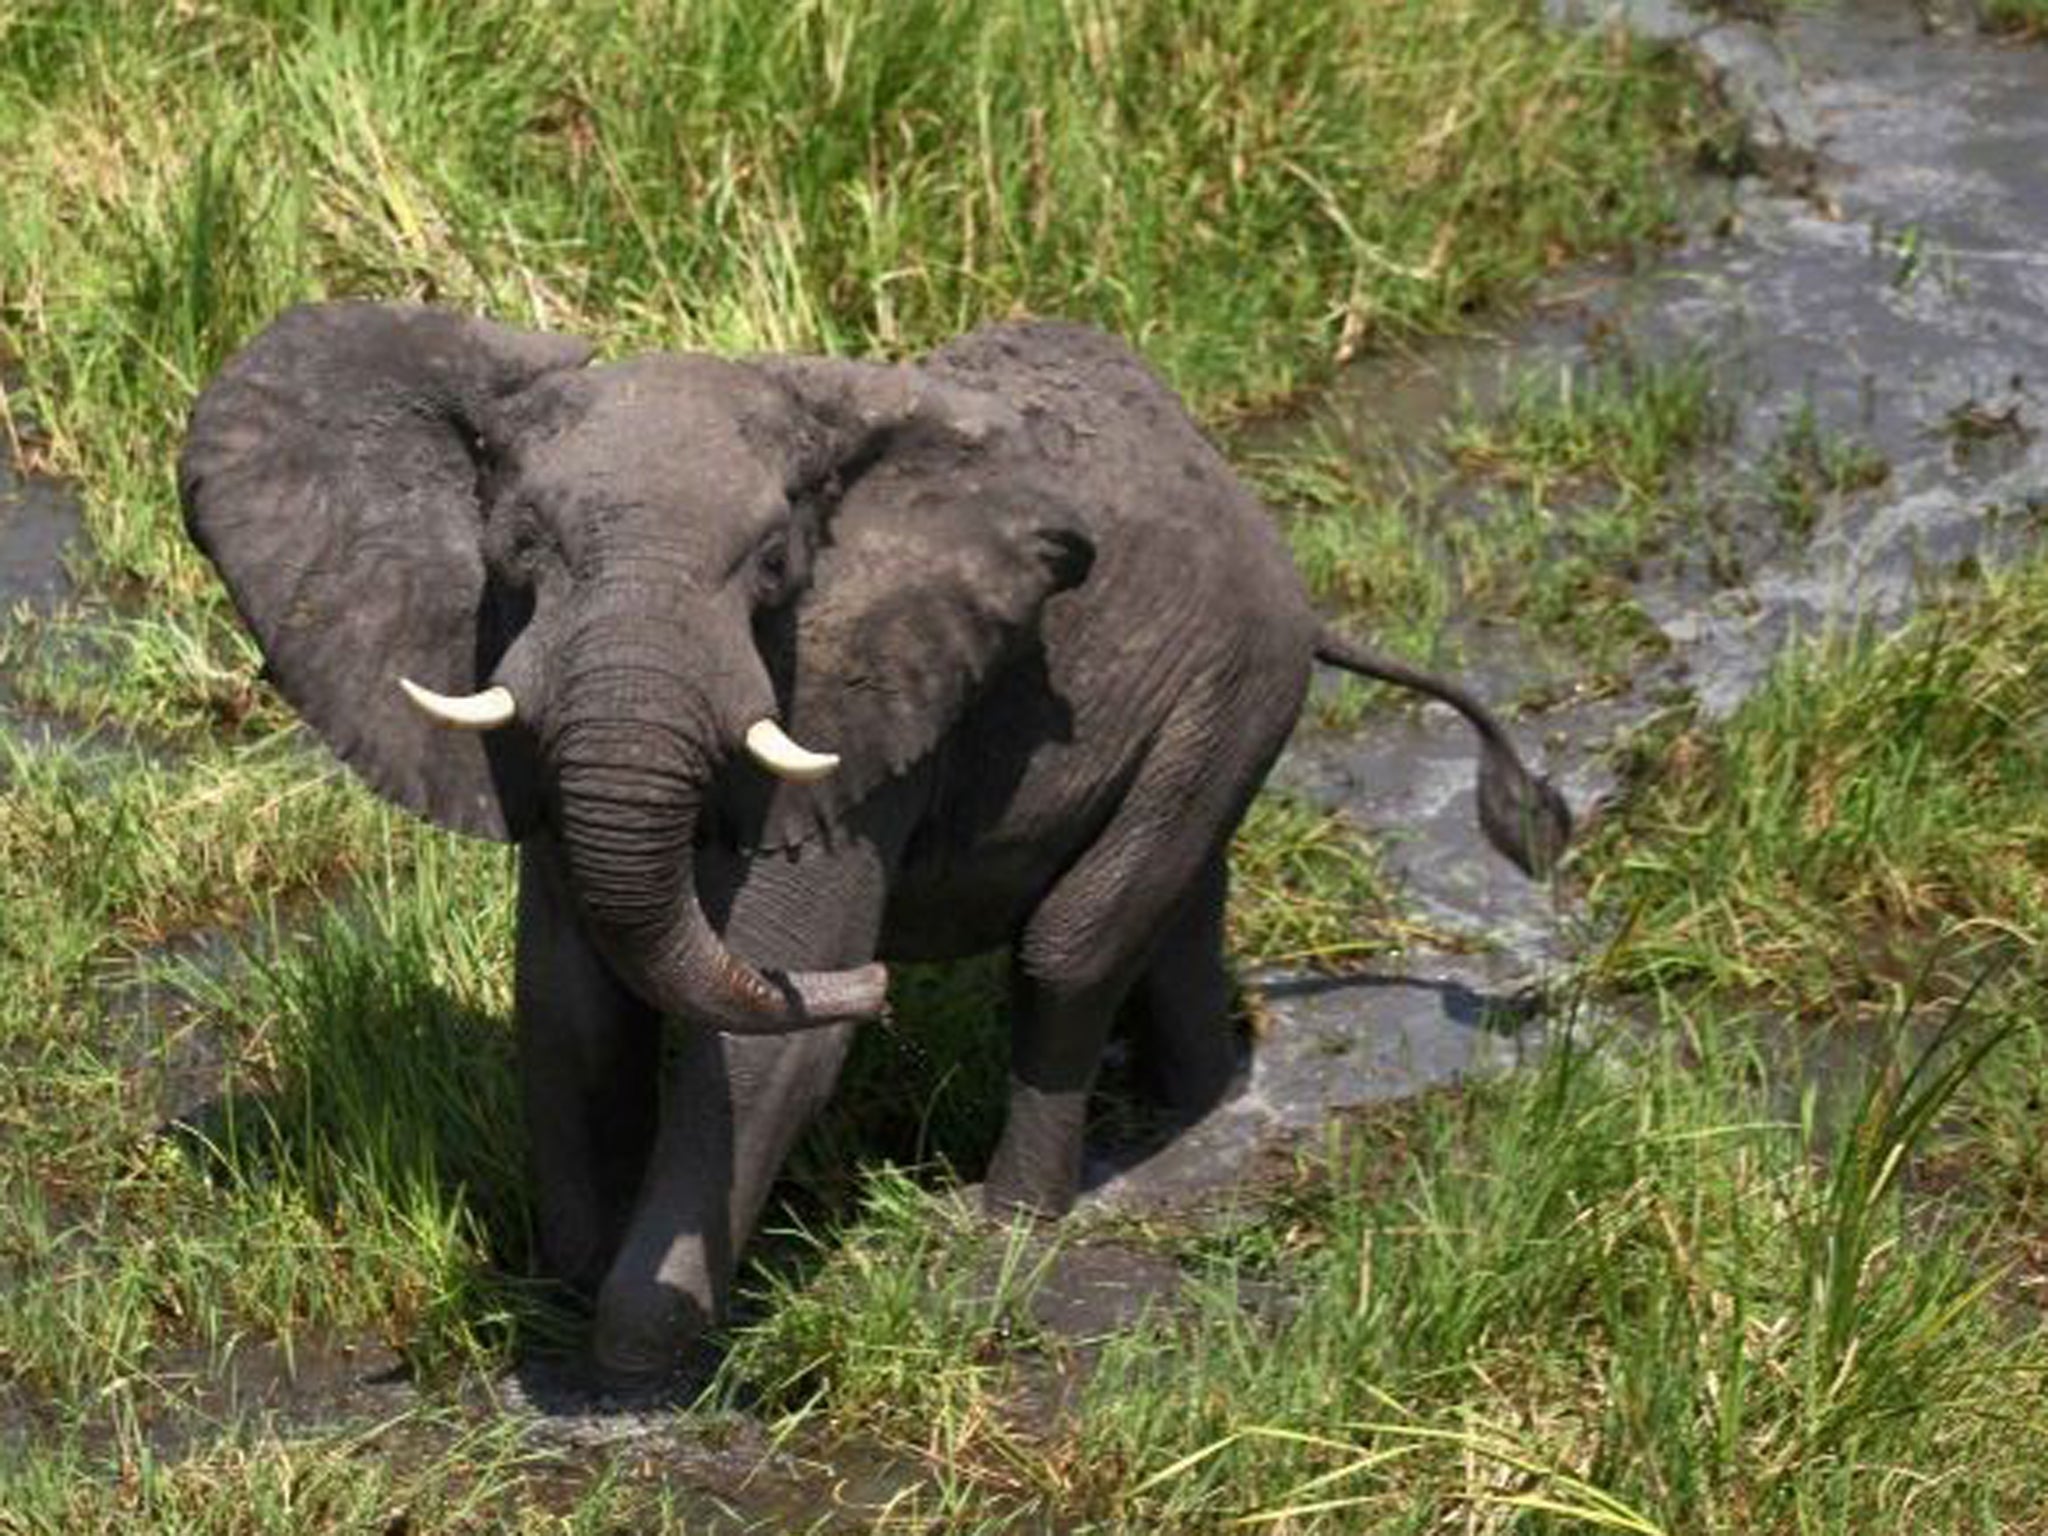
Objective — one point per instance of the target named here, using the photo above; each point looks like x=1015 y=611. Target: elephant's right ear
x=332 y=472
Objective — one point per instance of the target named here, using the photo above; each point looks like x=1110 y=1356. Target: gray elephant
x=1042 y=643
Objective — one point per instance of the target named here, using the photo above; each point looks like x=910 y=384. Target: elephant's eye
x=772 y=566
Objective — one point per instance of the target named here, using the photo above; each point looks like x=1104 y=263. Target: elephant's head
x=511 y=589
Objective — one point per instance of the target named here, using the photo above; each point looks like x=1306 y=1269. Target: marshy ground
x=1689 y=397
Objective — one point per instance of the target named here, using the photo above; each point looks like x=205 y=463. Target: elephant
x=778 y=669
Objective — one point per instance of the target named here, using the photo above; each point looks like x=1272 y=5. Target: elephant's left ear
x=334 y=473
x=932 y=583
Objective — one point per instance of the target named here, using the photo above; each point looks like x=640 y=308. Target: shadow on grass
x=372 y=1110
x=373 y=1125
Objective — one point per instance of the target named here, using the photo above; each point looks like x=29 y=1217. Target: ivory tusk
x=485 y=711
x=781 y=756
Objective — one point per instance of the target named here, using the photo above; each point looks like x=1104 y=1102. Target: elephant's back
x=1167 y=513
x=1192 y=619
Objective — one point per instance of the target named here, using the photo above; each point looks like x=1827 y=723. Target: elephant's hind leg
x=1095 y=935
x=1185 y=1050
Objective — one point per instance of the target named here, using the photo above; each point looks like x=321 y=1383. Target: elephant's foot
x=646 y=1331
x=1037 y=1165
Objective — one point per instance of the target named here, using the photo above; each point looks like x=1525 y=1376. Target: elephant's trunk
x=628 y=787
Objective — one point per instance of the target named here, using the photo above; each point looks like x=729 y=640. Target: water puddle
x=39 y=528
x=38 y=525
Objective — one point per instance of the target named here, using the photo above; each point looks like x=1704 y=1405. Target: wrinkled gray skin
x=1053 y=641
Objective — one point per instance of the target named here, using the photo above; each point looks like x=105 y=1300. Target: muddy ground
x=1880 y=276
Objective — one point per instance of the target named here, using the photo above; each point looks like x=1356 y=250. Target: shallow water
x=38 y=524
x=39 y=529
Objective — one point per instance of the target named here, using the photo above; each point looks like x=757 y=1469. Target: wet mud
x=38 y=525
x=1882 y=279
x=39 y=530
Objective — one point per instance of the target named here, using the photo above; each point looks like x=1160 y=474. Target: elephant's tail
x=1521 y=813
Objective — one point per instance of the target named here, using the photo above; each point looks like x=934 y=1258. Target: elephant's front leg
x=589 y=1058
x=733 y=1106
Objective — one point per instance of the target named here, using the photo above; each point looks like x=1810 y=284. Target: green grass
x=1643 y=1290
x=428 y=1471
x=1866 y=835
x=349 y=1164
x=1809 y=471
x=910 y=1322
x=1307 y=888
x=2017 y=18
x=1536 y=509
x=1571 y=1301
x=1626 y=425
x=1876 y=801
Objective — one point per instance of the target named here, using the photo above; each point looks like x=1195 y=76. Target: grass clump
x=1537 y=510
x=1809 y=471
x=2026 y=19
x=1308 y=888
x=908 y=1321
x=1625 y=426
x=1874 y=797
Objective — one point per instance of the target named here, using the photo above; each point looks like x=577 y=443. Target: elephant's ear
x=332 y=472
x=932 y=582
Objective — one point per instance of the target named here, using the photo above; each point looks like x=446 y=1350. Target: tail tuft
x=1521 y=813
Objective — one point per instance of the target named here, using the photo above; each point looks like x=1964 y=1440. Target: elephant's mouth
x=629 y=828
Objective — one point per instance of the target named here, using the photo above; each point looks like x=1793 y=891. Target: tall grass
x=351 y=1165
x=1875 y=800
x=1245 y=191
x=1644 y=1290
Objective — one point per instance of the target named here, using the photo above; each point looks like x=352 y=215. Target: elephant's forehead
x=680 y=405
x=681 y=434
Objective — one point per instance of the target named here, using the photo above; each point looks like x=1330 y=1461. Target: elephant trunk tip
x=768 y=1002
x=693 y=974
x=827 y=997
